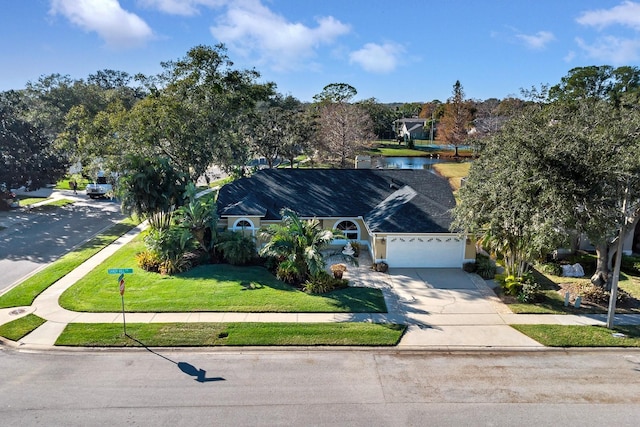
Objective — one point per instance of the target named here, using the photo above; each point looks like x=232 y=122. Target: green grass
x=396 y=150
x=52 y=205
x=28 y=290
x=230 y=334
x=64 y=184
x=581 y=336
x=454 y=172
x=553 y=301
x=17 y=329
x=211 y=287
x=27 y=201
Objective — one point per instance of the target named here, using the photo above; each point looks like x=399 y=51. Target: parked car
x=100 y=188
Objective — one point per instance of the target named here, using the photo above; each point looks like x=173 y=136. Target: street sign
x=120 y=271
x=121 y=277
x=122 y=287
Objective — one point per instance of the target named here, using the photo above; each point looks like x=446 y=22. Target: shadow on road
x=199 y=374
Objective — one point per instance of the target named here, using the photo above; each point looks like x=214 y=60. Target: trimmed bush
x=324 y=283
x=148 y=261
x=237 y=248
x=630 y=265
x=485 y=267
x=530 y=291
x=470 y=267
x=551 y=268
x=338 y=270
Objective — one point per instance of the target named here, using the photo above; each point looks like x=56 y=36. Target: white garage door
x=425 y=251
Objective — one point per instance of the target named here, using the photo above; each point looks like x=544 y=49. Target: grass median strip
x=582 y=336
x=28 y=290
x=17 y=329
x=230 y=334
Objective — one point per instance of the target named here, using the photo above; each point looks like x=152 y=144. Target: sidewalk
x=466 y=315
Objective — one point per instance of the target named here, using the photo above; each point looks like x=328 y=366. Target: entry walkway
x=443 y=308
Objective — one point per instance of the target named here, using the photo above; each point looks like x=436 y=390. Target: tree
x=508 y=199
x=150 y=186
x=26 y=156
x=455 y=122
x=382 y=117
x=336 y=93
x=345 y=130
x=299 y=133
x=200 y=218
x=193 y=106
x=408 y=110
x=554 y=170
x=297 y=244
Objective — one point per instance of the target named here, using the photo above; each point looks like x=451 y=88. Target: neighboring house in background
x=412 y=128
x=401 y=217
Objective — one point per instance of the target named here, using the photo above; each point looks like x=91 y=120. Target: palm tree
x=297 y=245
x=200 y=218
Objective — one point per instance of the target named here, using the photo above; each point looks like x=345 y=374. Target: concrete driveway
x=450 y=308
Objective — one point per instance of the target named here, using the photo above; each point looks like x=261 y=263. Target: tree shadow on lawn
x=357 y=300
x=247 y=277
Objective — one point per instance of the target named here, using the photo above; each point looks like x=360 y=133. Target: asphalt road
x=36 y=239
x=320 y=387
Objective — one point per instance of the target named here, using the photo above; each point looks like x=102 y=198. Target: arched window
x=349 y=229
x=244 y=225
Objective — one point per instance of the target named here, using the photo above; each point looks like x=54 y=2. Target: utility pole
x=432 y=126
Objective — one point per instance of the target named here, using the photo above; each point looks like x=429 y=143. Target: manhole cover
x=17 y=311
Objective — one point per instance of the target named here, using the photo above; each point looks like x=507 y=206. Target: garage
x=442 y=251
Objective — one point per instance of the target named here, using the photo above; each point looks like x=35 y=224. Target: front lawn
x=582 y=336
x=553 y=289
x=230 y=334
x=211 y=287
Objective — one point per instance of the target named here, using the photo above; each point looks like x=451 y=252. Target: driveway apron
x=451 y=308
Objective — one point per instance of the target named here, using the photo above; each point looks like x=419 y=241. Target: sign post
x=121 y=272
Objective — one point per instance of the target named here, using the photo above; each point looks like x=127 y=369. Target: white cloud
x=251 y=29
x=538 y=40
x=618 y=51
x=377 y=58
x=626 y=14
x=181 y=7
x=116 y=26
x=570 y=56
x=608 y=48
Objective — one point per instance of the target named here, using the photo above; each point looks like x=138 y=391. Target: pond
x=407 y=162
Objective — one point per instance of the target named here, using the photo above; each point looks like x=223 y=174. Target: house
x=401 y=216
x=410 y=128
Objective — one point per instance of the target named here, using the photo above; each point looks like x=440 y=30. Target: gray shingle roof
x=390 y=201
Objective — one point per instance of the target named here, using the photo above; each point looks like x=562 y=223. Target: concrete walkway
x=443 y=308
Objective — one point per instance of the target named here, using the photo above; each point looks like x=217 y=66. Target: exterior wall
x=469 y=250
x=379 y=248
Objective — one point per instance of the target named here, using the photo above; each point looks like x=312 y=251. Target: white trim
x=354 y=222
x=236 y=228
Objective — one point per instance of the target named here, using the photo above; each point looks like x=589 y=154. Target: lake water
x=406 y=162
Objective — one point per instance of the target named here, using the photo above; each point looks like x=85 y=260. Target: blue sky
x=393 y=50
